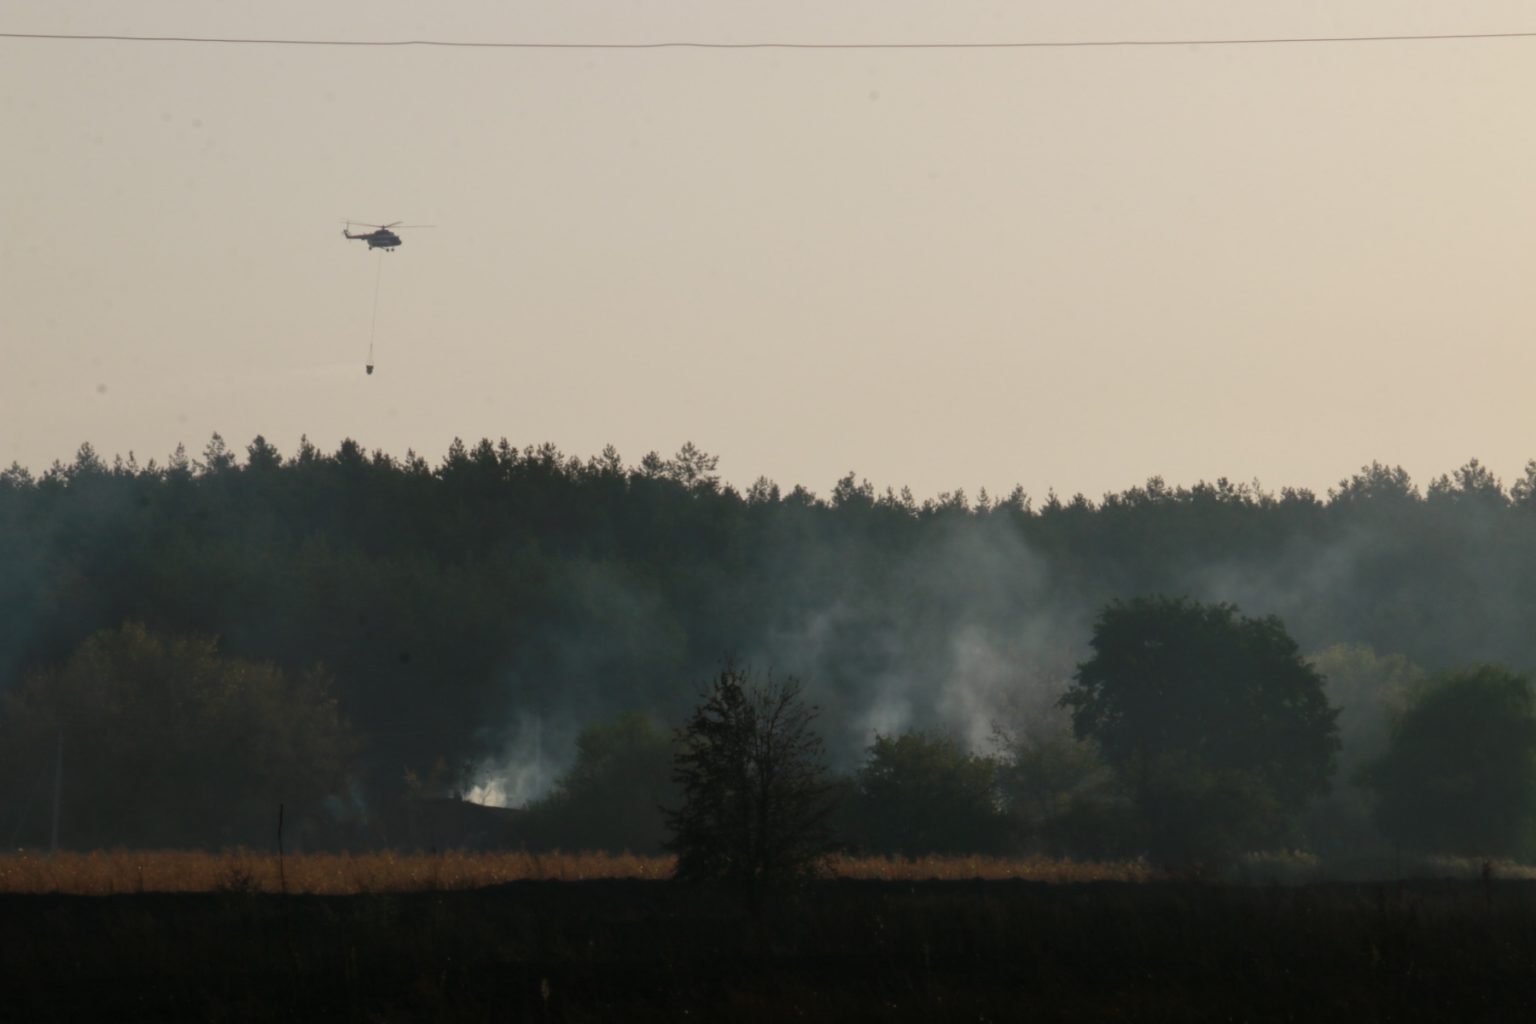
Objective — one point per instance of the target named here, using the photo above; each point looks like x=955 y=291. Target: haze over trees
x=451 y=603
x=615 y=794
x=1371 y=691
x=171 y=744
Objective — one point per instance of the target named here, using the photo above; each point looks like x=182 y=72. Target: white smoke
x=528 y=768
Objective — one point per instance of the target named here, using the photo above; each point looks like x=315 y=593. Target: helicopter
x=383 y=237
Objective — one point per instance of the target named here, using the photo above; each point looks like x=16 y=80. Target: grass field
x=838 y=950
x=339 y=874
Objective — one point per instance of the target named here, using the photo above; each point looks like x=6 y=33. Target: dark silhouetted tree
x=921 y=794
x=1459 y=773
x=1219 y=730
x=754 y=789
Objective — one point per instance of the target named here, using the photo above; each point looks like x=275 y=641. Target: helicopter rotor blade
x=384 y=227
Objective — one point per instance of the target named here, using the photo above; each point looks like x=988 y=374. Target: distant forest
x=473 y=615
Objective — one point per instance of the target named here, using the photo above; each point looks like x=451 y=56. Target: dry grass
x=1031 y=869
x=1471 y=867
x=120 y=871
x=128 y=871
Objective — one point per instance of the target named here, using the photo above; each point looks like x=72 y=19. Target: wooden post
x=58 y=794
x=282 y=879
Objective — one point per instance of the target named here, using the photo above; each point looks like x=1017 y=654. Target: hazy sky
x=1060 y=268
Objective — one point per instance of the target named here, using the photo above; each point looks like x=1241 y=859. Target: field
x=332 y=874
x=107 y=873
x=585 y=937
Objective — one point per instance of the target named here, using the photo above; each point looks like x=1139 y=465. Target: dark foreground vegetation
x=839 y=950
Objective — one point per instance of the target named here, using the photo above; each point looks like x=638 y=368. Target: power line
x=697 y=45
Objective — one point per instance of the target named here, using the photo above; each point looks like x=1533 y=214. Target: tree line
x=1210 y=734
x=402 y=615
